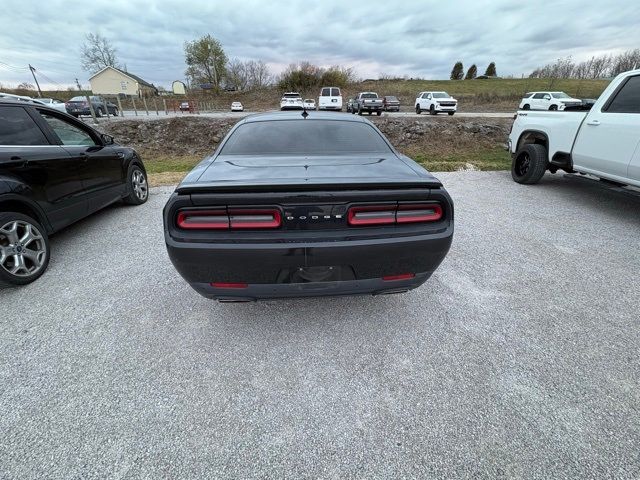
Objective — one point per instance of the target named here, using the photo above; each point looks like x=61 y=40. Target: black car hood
x=349 y=170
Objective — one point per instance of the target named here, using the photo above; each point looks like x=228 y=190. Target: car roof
x=297 y=115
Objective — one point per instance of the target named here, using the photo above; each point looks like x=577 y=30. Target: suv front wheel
x=24 y=249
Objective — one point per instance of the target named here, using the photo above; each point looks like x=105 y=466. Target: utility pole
x=78 y=84
x=33 y=72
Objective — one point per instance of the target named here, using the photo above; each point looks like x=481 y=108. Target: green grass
x=485 y=159
x=160 y=164
x=506 y=88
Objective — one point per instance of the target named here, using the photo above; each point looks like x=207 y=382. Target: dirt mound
x=201 y=135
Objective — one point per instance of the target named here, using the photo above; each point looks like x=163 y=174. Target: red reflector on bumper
x=228 y=285
x=401 y=276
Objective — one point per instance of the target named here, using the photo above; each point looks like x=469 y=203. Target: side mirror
x=106 y=139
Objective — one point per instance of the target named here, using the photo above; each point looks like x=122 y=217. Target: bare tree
x=625 y=61
x=236 y=74
x=97 y=53
x=258 y=73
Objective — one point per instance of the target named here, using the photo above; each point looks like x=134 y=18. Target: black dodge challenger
x=305 y=204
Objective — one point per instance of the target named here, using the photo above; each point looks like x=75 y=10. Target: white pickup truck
x=603 y=142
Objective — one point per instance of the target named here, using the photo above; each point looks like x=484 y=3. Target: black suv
x=54 y=170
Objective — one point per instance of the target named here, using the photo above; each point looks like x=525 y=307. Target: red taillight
x=430 y=212
x=269 y=218
x=401 y=276
x=372 y=215
x=203 y=220
x=231 y=219
x=228 y=285
x=367 y=215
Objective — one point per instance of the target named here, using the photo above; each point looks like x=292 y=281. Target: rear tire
x=529 y=164
x=24 y=249
x=359 y=110
x=418 y=110
x=526 y=107
x=379 y=112
x=137 y=186
x=99 y=112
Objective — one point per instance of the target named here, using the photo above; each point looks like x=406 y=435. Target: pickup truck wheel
x=379 y=112
x=529 y=164
x=418 y=110
x=526 y=107
x=553 y=108
x=99 y=112
x=432 y=110
x=24 y=249
x=359 y=110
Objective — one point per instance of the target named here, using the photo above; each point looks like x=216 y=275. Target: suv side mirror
x=106 y=139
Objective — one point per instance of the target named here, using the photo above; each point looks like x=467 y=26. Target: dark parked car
x=79 y=106
x=391 y=103
x=309 y=204
x=54 y=170
x=350 y=103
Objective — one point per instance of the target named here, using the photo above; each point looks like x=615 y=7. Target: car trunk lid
x=230 y=172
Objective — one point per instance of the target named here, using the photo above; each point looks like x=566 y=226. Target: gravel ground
x=519 y=358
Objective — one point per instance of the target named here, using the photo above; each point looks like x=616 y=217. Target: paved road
x=519 y=358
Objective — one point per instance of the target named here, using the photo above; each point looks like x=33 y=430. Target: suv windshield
x=559 y=95
x=304 y=137
x=441 y=95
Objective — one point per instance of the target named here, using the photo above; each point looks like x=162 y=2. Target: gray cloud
x=412 y=37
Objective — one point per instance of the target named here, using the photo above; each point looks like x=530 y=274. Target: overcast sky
x=416 y=38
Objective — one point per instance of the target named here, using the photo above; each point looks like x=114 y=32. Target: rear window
x=326 y=92
x=18 y=128
x=335 y=92
x=78 y=99
x=304 y=137
x=292 y=95
x=627 y=100
x=369 y=95
x=391 y=99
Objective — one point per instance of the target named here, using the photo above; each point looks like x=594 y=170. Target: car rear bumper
x=258 y=271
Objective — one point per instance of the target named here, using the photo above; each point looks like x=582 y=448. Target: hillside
x=499 y=95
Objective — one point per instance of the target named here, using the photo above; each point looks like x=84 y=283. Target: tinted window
x=69 y=134
x=18 y=128
x=335 y=92
x=440 y=95
x=539 y=96
x=326 y=92
x=369 y=95
x=304 y=137
x=627 y=100
x=78 y=99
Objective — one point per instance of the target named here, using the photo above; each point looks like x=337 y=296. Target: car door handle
x=84 y=157
x=16 y=161
x=595 y=123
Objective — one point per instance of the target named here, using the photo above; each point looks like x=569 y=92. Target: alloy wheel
x=522 y=164
x=139 y=184
x=23 y=251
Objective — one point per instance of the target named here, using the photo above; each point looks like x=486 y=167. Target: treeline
x=457 y=72
x=304 y=76
x=596 y=67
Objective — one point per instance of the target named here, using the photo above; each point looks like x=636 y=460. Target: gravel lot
x=519 y=358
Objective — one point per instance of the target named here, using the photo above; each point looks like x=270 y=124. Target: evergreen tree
x=472 y=72
x=458 y=71
x=491 y=70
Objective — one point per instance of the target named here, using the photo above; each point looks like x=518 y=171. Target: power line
x=11 y=67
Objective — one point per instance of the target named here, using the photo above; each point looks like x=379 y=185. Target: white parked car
x=53 y=103
x=548 y=101
x=309 y=104
x=291 y=101
x=237 y=107
x=330 y=98
x=603 y=141
x=436 y=102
